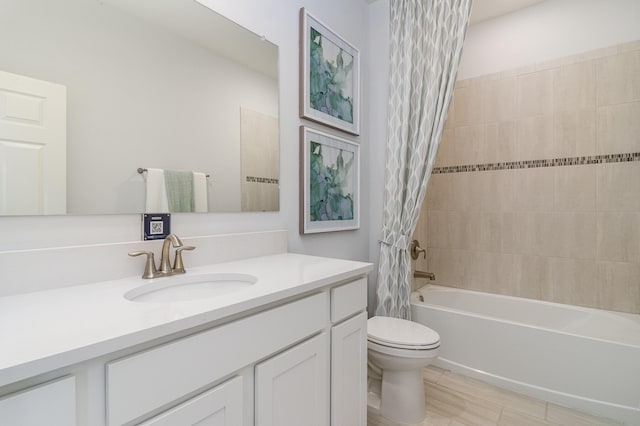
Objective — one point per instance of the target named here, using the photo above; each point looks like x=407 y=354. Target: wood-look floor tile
x=565 y=416
x=516 y=418
x=456 y=400
x=465 y=409
x=494 y=394
x=432 y=373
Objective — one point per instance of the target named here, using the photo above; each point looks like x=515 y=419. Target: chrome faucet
x=421 y=274
x=166 y=268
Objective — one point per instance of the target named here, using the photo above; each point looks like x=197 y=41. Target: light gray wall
x=546 y=31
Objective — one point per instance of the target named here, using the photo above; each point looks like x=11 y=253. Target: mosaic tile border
x=554 y=162
x=262 y=180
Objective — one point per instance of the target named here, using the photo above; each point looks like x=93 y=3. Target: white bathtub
x=588 y=359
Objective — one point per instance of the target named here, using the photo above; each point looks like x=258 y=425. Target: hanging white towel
x=200 y=192
x=156 y=200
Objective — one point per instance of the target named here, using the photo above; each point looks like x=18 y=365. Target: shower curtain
x=425 y=49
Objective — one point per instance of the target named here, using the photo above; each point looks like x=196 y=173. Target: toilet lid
x=401 y=333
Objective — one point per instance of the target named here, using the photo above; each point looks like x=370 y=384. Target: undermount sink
x=181 y=288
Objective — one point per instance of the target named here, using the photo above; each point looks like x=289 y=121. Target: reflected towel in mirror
x=200 y=192
x=179 y=185
x=156 y=198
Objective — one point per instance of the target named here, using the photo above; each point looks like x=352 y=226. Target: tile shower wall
x=536 y=190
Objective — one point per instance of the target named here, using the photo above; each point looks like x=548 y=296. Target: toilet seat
x=401 y=334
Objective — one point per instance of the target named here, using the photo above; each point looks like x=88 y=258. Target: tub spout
x=421 y=274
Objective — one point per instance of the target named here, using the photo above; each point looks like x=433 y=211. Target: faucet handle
x=150 y=270
x=178 y=266
x=416 y=250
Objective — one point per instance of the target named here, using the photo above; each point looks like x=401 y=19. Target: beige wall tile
x=531 y=275
x=574 y=235
x=575 y=87
x=468 y=105
x=568 y=235
x=499 y=99
x=497 y=190
x=439 y=195
x=510 y=232
x=471 y=187
x=543 y=235
x=618 y=78
x=618 y=187
x=459 y=229
x=488 y=271
x=444 y=157
x=619 y=286
x=535 y=138
x=468 y=143
x=437 y=232
x=619 y=237
x=534 y=189
x=572 y=282
x=618 y=128
x=535 y=93
x=575 y=133
x=575 y=188
x=500 y=142
x=447 y=265
x=630 y=46
x=489 y=231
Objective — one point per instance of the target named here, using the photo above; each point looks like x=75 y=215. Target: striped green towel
x=179 y=187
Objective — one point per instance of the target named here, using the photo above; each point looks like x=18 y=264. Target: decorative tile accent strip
x=262 y=180
x=555 y=162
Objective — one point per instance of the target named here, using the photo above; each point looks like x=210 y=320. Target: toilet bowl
x=400 y=349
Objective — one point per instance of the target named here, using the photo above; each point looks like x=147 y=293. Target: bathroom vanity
x=288 y=349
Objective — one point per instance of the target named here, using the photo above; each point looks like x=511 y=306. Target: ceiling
x=486 y=9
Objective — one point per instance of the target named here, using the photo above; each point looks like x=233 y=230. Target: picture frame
x=329 y=182
x=330 y=76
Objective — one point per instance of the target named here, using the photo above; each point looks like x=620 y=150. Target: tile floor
x=453 y=400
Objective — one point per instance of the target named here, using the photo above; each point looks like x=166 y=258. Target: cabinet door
x=349 y=372
x=292 y=388
x=220 y=406
x=51 y=404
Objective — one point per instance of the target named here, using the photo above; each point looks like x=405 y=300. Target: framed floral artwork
x=330 y=76
x=329 y=182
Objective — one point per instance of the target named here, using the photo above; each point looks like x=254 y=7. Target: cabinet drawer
x=154 y=378
x=221 y=405
x=52 y=404
x=348 y=299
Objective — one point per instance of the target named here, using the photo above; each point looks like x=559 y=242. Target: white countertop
x=47 y=330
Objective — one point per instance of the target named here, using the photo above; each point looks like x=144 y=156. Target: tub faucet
x=421 y=274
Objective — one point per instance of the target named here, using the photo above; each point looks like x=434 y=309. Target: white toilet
x=400 y=349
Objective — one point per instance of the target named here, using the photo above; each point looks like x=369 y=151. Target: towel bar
x=141 y=171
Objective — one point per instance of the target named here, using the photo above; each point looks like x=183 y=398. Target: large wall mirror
x=91 y=91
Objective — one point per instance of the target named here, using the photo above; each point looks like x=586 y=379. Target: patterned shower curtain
x=425 y=49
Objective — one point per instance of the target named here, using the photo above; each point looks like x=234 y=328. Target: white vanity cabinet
x=220 y=406
x=51 y=404
x=349 y=354
x=294 y=355
x=292 y=388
